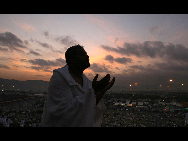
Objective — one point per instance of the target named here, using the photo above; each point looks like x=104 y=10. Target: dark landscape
x=123 y=109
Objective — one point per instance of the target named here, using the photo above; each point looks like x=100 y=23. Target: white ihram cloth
x=68 y=104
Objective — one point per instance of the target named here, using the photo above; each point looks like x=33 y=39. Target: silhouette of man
x=71 y=100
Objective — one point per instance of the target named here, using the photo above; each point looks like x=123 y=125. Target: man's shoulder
x=62 y=69
x=59 y=77
x=59 y=73
x=64 y=73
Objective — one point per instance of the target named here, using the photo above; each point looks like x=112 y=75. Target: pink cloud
x=25 y=26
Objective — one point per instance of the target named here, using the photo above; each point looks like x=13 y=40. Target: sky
x=147 y=49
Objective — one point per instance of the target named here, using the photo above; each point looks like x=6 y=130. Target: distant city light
x=130 y=85
x=13 y=86
x=182 y=84
x=170 y=80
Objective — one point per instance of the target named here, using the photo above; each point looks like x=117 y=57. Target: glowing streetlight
x=171 y=83
x=131 y=87
x=3 y=88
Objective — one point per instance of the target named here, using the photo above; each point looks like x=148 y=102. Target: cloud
x=109 y=58
x=23 y=60
x=112 y=49
x=40 y=75
x=11 y=42
x=168 y=61
x=46 y=45
x=147 y=48
x=153 y=75
x=34 y=53
x=138 y=67
x=4 y=66
x=117 y=68
x=99 y=68
x=3 y=49
x=65 y=40
x=42 y=62
x=60 y=61
x=27 y=27
x=8 y=39
x=38 y=68
x=148 y=68
x=26 y=42
x=172 y=67
x=123 y=60
x=156 y=30
x=143 y=78
x=45 y=65
x=152 y=49
x=46 y=33
x=176 y=52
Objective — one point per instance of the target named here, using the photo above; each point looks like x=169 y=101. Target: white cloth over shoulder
x=68 y=104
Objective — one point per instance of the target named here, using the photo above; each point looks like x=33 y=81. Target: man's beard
x=83 y=67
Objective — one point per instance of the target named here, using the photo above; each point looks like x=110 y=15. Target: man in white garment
x=71 y=100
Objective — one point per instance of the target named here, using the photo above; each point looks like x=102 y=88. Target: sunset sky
x=143 y=49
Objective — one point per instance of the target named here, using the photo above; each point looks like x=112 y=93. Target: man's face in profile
x=81 y=59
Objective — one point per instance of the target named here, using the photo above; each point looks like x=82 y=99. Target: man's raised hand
x=100 y=87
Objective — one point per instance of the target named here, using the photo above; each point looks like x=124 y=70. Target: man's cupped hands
x=103 y=85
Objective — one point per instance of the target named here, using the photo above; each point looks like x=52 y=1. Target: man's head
x=76 y=57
